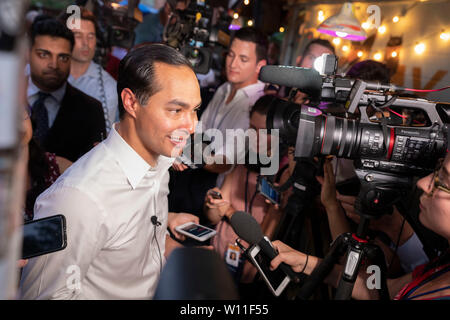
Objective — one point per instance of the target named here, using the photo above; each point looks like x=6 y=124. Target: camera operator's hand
x=328 y=193
x=298 y=261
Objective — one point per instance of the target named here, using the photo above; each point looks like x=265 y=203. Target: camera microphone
x=247 y=228
x=155 y=221
x=307 y=80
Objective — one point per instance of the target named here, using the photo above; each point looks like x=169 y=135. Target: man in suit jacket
x=65 y=121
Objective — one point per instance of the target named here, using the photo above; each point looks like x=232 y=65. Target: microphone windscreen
x=246 y=227
x=305 y=79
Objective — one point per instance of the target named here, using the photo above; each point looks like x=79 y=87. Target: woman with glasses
x=430 y=281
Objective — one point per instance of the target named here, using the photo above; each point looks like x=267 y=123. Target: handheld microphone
x=155 y=221
x=307 y=80
x=247 y=228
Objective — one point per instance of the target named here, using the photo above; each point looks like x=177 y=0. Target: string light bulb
x=246 y=2
x=250 y=23
x=360 y=54
x=445 y=36
x=419 y=48
x=320 y=16
x=395 y=19
x=345 y=48
x=377 y=56
x=365 y=25
x=382 y=29
x=236 y=15
x=337 y=41
x=281 y=29
x=394 y=54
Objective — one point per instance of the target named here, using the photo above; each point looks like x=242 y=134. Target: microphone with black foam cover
x=248 y=229
x=306 y=80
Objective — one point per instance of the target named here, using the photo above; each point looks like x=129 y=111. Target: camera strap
x=103 y=99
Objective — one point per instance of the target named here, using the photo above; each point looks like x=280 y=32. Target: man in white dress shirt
x=114 y=198
x=88 y=76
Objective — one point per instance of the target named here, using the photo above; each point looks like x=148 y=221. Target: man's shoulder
x=80 y=100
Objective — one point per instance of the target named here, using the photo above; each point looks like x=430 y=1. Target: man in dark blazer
x=66 y=121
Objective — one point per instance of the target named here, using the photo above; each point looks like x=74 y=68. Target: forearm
x=336 y=220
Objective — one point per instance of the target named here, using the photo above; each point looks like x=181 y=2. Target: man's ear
x=261 y=63
x=129 y=102
x=298 y=60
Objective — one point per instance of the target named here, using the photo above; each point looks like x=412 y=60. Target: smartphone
x=276 y=280
x=215 y=194
x=44 y=236
x=196 y=231
x=268 y=191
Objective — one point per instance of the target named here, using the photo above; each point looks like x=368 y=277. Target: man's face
x=50 y=62
x=242 y=67
x=307 y=61
x=165 y=123
x=85 y=42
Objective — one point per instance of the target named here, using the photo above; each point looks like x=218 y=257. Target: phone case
x=205 y=237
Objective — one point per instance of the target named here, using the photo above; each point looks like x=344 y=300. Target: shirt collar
x=92 y=71
x=57 y=94
x=132 y=164
x=249 y=90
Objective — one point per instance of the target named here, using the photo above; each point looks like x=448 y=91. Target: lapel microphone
x=155 y=221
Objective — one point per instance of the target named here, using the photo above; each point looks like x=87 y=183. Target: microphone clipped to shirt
x=247 y=228
x=155 y=221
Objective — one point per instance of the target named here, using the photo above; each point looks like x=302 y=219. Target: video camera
x=388 y=150
x=116 y=23
x=195 y=34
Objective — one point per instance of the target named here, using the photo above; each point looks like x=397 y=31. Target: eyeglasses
x=436 y=183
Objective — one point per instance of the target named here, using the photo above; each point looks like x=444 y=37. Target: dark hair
x=137 y=70
x=370 y=70
x=44 y=25
x=263 y=104
x=253 y=35
x=319 y=42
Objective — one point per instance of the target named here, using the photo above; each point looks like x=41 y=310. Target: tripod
x=376 y=197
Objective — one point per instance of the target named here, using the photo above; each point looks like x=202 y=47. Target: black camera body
x=194 y=33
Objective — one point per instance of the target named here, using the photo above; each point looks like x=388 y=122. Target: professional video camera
x=385 y=149
x=194 y=33
x=390 y=138
x=116 y=23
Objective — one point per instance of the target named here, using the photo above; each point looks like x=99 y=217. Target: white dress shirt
x=108 y=198
x=234 y=115
x=89 y=83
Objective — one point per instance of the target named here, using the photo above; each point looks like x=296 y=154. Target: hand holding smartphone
x=44 y=236
x=268 y=191
x=196 y=231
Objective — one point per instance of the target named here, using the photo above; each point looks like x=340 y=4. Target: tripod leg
x=324 y=268
x=350 y=273
x=376 y=255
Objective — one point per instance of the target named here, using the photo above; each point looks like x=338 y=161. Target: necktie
x=39 y=118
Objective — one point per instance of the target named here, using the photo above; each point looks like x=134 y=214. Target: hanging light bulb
x=445 y=36
x=395 y=19
x=394 y=54
x=246 y=2
x=365 y=25
x=378 y=56
x=419 y=48
x=281 y=29
x=360 y=54
x=236 y=15
x=250 y=23
x=382 y=29
x=345 y=48
x=337 y=41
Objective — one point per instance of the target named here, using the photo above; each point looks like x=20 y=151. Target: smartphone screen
x=267 y=190
x=196 y=230
x=43 y=236
x=275 y=277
